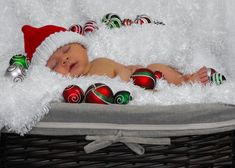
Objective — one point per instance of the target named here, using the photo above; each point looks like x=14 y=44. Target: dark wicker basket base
x=215 y=150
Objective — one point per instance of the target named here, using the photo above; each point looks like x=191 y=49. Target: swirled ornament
x=112 y=20
x=20 y=60
x=122 y=97
x=15 y=73
x=73 y=94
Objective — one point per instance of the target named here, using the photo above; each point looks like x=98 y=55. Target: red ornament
x=99 y=93
x=90 y=26
x=144 y=77
x=158 y=75
x=210 y=72
x=73 y=94
x=143 y=19
x=127 y=22
x=77 y=28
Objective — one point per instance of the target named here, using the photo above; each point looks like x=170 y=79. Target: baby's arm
x=123 y=72
x=133 y=68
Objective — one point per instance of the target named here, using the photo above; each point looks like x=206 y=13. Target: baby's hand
x=200 y=76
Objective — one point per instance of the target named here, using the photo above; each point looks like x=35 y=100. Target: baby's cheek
x=61 y=71
x=76 y=72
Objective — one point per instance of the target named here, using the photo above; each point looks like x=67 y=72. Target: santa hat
x=41 y=43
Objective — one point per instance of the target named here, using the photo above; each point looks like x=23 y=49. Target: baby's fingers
x=204 y=75
x=204 y=80
x=202 y=71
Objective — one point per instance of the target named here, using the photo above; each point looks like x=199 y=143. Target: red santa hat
x=41 y=43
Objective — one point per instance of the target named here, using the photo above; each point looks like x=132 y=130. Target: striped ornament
x=99 y=93
x=112 y=20
x=217 y=78
x=77 y=28
x=127 y=22
x=144 y=78
x=90 y=26
x=143 y=19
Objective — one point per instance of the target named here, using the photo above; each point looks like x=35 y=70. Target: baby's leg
x=170 y=74
x=177 y=78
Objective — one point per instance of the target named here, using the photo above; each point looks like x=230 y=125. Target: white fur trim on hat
x=53 y=42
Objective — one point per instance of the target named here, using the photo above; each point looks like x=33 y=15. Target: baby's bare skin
x=110 y=68
x=72 y=60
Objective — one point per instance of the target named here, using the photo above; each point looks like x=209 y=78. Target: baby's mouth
x=72 y=66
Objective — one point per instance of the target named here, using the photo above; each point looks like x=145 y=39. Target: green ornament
x=20 y=60
x=122 y=97
x=112 y=20
x=217 y=78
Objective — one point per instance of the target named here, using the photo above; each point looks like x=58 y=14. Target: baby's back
x=103 y=66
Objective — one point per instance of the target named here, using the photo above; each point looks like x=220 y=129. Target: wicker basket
x=214 y=150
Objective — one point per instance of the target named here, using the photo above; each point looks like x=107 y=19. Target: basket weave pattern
x=214 y=150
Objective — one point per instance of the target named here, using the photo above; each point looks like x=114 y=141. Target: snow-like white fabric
x=196 y=33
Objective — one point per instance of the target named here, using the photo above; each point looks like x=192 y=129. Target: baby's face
x=69 y=60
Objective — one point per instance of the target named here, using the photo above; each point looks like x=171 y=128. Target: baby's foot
x=200 y=76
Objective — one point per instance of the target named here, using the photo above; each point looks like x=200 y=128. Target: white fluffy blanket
x=197 y=33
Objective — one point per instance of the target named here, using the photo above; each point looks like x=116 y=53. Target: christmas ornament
x=99 y=93
x=112 y=20
x=122 y=97
x=210 y=72
x=217 y=78
x=20 y=60
x=127 y=22
x=159 y=23
x=90 y=26
x=144 y=77
x=16 y=73
x=77 y=28
x=73 y=94
x=158 y=75
x=143 y=19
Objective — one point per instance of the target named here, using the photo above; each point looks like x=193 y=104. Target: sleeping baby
x=65 y=52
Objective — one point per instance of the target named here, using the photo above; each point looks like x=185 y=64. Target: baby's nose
x=65 y=59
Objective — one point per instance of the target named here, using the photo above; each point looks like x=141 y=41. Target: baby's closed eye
x=66 y=49
x=54 y=65
x=51 y=64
